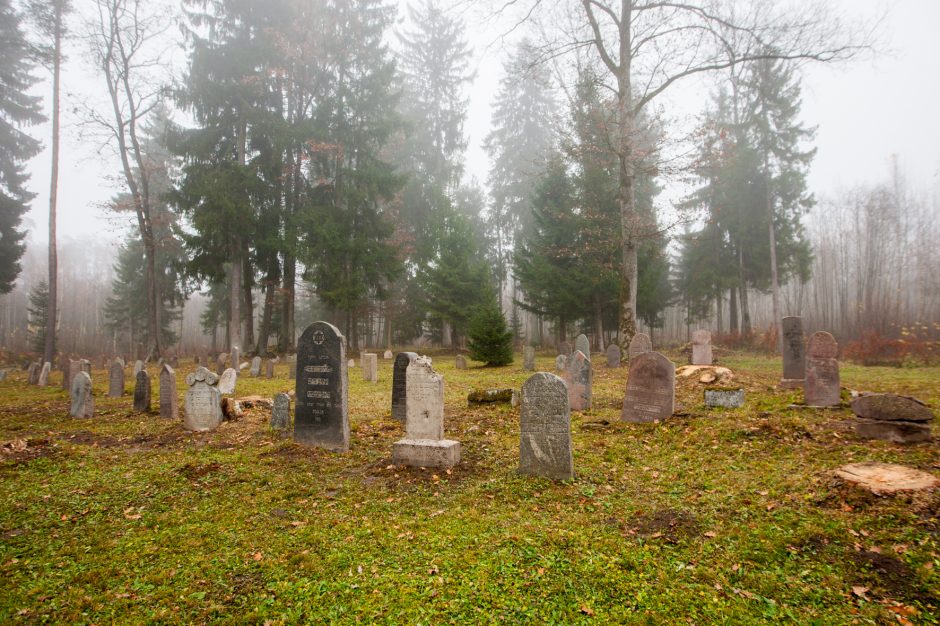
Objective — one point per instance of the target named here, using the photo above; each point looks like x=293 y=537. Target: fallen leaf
x=710 y=534
x=257 y=556
x=860 y=591
x=587 y=610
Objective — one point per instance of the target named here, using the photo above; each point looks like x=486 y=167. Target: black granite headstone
x=321 y=417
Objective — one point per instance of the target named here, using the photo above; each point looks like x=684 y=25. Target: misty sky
x=865 y=112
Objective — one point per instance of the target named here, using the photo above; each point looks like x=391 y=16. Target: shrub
x=489 y=338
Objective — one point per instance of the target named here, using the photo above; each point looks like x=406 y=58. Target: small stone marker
x=269 y=369
x=424 y=444
x=321 y=416
x=370 y=367
x=399 y=387
x=142 y=392
x=892 y=417
x=255 y=367
x=460 y=362
x=579 y=376
x=280 y=412
x=83 y=400
x=545 y=425
x=581 y=343
x=564 y=348
x=169 y=403
x=388 y=355
x=821 y=385
x=886 y=478
x=640 y=344
x=528 y=359
x=613 y=355
x=794 y=360
x=727 y=398
x=203 y=402
x=138 y=365
x=227 y=381
x=651 y=389
x=116 y=379
x=701 y=347
x=32 y=374
x=561 y=363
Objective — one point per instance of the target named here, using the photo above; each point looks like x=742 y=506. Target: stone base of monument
x=790 y=383
x=896 y=431
x=727 y=398
x=426 y=452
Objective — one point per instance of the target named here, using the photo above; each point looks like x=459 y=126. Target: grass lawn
x=721 y=516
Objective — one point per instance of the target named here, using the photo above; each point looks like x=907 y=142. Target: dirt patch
x=88 y=438
x=670 y=525
x=165 y=439
x=24 y=450
x=195 y=471
x=888 y=575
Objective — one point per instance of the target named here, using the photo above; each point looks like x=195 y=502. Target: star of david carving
x=318 y=337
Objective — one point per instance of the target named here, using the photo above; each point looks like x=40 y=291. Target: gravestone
x=613 y=355
x=821 y=384
x=725 y=398
x=269 y=369
x=138 y=365
x=74 y=368
x=640 y=343
x=32 y=374
x=388 y=355
x=86 y=366
x=221 y=363
x=561 y=362
x=227 y=381
x=83 y=400
x=424 y=444
x=564 y=348
x=370 y=367
x=202 y=403
x=545 y=428
x=44 y=374
x=280 y=412
x=169 y=402
x=3 y=374
x=292 y=364
x=579 y=376
x=581 y=343
x=116 y=379
x=794 y=361
x=399 y=388
x=255 y=367
x=142 y=392
x=460 y=362
x=891 y=417
x=651 y=389
x=528 y=358
x=321 y=416
x=701 y=347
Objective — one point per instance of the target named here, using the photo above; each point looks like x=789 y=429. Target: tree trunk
x=247 y=285
x=775 y=285
x=599 y=324
x=745 y=314
x=733 y=310
x=51 y=305
x=237 y=263
x=270 y=293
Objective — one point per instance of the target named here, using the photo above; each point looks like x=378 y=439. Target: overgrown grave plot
x=711 y=516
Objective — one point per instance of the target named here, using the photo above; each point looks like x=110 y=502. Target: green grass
x=723 y=516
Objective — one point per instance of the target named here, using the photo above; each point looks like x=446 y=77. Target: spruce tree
x=489 y=338
x=38 y=316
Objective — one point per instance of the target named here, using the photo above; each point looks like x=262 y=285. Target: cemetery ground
x=711 y=516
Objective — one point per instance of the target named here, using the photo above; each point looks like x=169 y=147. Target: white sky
x=865 y=112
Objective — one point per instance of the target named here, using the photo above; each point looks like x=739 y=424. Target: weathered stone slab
x=561 y=363
x=269 y=369
x=545 y=428
x=582 y=344
x=613 y=355
x=727 y=398
x=255 y=367
x=370 y=367
x=640 y=344
x=221 y=363
x=399 y=385
x=169 y=402
x=32 y=374
x=528 y=358
x=74 y=368
x=424 y=444
x=580 y=377
x=891 y=407
x=227 y=381
x=116 y=379
x=44 y=374
x=138 y=365
x=821 y=385
x=142 y=392
x=896 y=431
x=651 y=389
x=321 y=416
x=202 y=402
x=280 y=412
x=83 y=401
x=460 y=362
x=701 y=347
x=794 y=357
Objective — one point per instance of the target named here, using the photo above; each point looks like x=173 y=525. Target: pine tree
x=38 y=316
x=489 y=339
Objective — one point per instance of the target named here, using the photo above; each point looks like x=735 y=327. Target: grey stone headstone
x=561 y=363
x=613 y=355
x=651 y=389
x=424 y=444
x=545 y=428
x=227 y=381
x=640 y=343
x=460 y=362
x=280 y=412
x=83 y=401
x=169 y=402
x=528 y=358
x=116 y=379
x=370 y=367
x=255 y=367
x=579 y=376
x=821 y=384
x=321 y=415
x=582 y=343
x=269 y=369
x=701 y=347
x=44 y=374
x=726 y=398
x=794 y=359
x=564 y=348
x=399 y=386
x=202 y=403
x=388 y=355
x=142 y=392
x=138 y=365
x=33 y=373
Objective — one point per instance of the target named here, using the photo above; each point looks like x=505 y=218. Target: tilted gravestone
x=651 y=389
x=169 y=402
x=370 y=367
x=564 y=348
x=116 y=379
x=142 y=392
x=460 y=362
x=701 y=347
x=255 y=367
x=640 y=344
x=561 y=362
x=280 y=412
x=545 y=428
x=579 y=376
x=584 y=345
x=83 y=400
x=44 y=374
x=321 y=416
x=269 y=369
x=424 y=444
x=202 y=403
x=794 y=358
x=32 y=374
x=227 y=381
x=613 y=355
x=821 y=384
x=891 y=417
x=528 y=358
x=399 y=388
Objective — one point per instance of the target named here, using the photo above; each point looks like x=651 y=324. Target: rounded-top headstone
x=640 y=344
x=321 y=415
x=579 y=377
x=651 y=389
x=822 y=345
x=545 y=428
x=821 y=385
x=794 y=363
x=83 y=403
x=227 y=381
x=202 y=402
x=613 y=355
x=582 y=344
